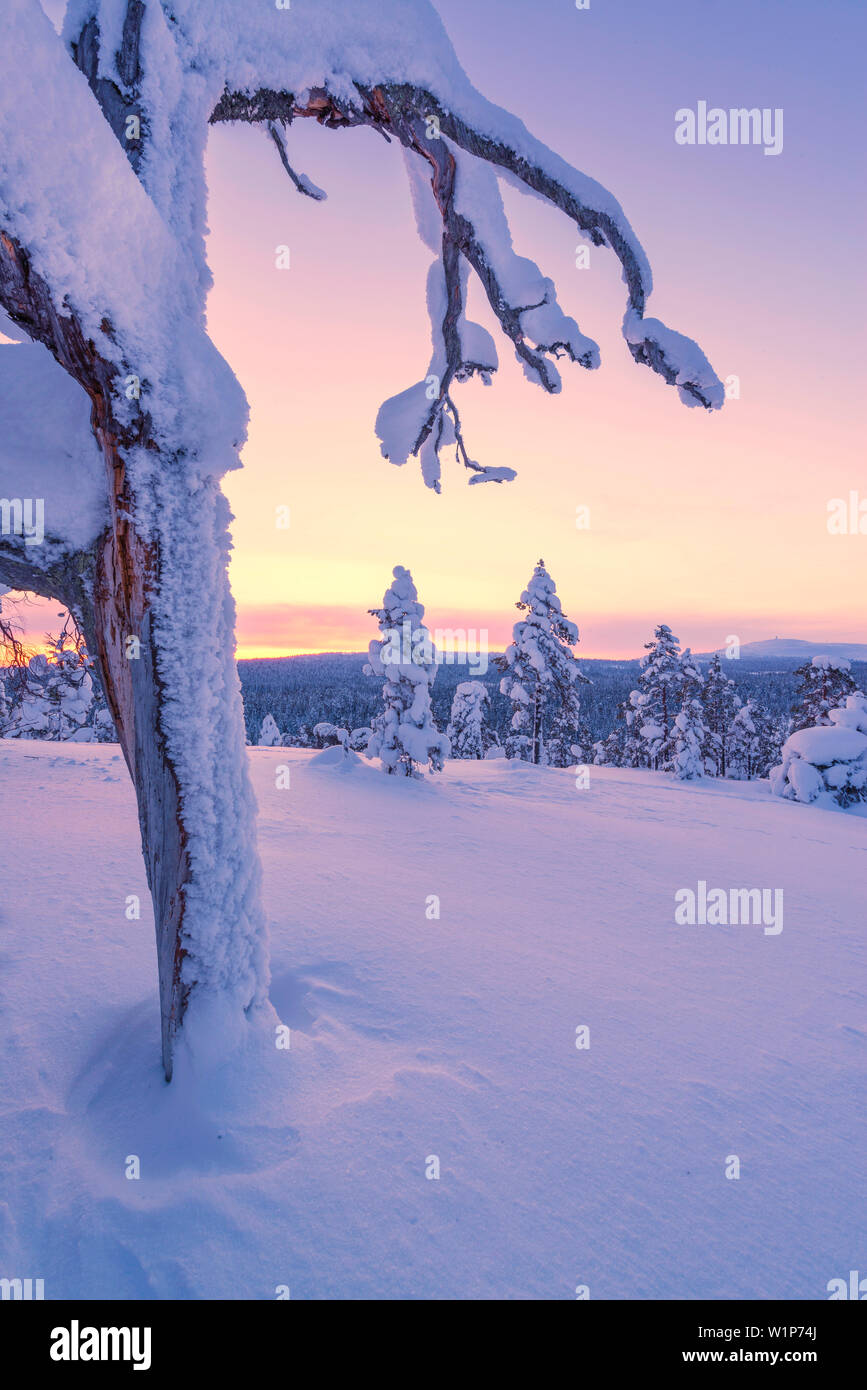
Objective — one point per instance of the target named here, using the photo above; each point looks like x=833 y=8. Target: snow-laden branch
x=462 y=162
x=391 y=67
x=301 y=181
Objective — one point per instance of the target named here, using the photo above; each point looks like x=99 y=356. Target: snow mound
x=825 y=745
x=827 y=763
x=335 y=756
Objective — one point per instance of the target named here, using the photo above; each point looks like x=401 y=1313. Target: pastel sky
x=716 y=524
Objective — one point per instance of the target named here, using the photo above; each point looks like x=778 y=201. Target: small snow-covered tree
x=688 y=735
x=404 y=737
x=467 y=732
x=102 y=263
x=667 y=677
x=269 y=734
x=569 y=741
x=74 y=688
x=827 y=763
x=69 y=689
x=720 y=704
x=608 y=752
x=755 y=741
x=57 y=694
x=541 y=670
x=29 y=705
x=330 y=734
x=630 y=717
x=360 y=738
x=826 y=682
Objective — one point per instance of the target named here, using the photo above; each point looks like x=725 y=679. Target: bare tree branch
x=539 y=331
x=301 y=181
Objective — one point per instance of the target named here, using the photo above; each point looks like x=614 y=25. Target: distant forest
x=301 y=691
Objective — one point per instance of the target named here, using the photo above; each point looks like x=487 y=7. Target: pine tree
x=689 y=734
x=629 y=715
x=541 y=670
x=827 y=762
x=269 y=734
x=608 y=752
x=57 y=695
x=569 y=742
x=331 y=734
x=720 y=704
x=755 y=742
x=826 y=681
x=665 y=675
x=404 y=735
x=467 y=731
x=29 y=707
x=78 y=706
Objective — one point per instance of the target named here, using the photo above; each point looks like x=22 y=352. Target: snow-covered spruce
x=667 y=678
x=720 y=704
x=754 y=742
x=826 y=681
x=331 y=736
x=608 y=752
x=57 y=695
x=689 y=735
x=404 y=736
x=269 y=734
x=827 y=763
x=541 y=670
x=569 y=740
x=103 y=262
x=467 y=732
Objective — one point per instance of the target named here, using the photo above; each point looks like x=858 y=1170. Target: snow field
x=414 y=1036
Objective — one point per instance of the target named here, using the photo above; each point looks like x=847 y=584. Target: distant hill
x=795 y=649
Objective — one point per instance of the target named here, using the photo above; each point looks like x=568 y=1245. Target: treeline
x=302 y=691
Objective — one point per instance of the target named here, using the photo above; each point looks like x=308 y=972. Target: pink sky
x=715 y=524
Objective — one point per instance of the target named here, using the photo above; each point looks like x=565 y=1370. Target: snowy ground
x=455 y=1037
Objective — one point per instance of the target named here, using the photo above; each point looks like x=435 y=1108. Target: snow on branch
x=301 y=181
x=392 y=68
x=462 y=163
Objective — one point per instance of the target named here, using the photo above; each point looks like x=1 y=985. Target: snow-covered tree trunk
x=112 y=590
x=536 y=733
